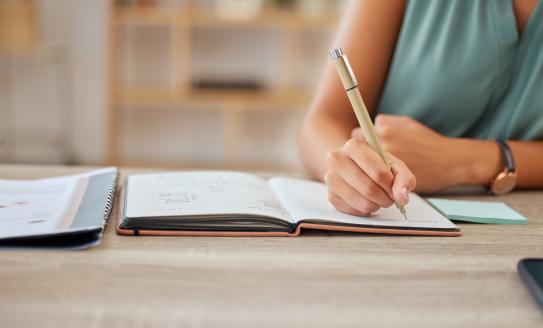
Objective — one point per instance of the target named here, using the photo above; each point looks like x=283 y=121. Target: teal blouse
x=461 y=68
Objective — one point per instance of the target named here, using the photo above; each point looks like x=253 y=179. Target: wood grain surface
x=319 y=279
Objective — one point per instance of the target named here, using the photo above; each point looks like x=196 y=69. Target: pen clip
x=344 y=69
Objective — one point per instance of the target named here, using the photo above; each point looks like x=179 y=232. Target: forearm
x=482 y=160
x=330 y=119
x=318 y=137
x=529 y=161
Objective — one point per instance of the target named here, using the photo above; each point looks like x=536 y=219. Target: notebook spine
x=111 y=195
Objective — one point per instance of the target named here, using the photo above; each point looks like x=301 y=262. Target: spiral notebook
x=59 y=212
x=221 y=203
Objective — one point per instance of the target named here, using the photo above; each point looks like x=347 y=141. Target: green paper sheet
x=477 y=211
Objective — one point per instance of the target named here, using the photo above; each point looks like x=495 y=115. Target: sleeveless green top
x=461 y=68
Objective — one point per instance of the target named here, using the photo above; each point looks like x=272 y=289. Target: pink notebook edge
x=297 y=232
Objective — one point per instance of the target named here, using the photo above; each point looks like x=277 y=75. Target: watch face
x=504 y=183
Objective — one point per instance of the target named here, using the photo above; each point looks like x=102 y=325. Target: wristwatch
x=506 y=180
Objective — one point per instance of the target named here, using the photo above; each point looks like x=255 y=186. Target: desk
x=318 y=279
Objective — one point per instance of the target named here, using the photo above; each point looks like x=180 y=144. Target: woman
x=445 y=81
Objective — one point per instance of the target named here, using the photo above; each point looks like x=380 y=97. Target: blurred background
x=161 y=83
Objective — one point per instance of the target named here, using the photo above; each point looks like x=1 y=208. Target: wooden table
x=318 y=279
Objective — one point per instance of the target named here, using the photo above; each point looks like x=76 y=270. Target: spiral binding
x=111 y=195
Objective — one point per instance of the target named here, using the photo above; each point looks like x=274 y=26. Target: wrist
x=479 y=161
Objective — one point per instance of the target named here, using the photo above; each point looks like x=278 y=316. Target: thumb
x=404 y=181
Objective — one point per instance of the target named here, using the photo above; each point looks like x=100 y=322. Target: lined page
x=308 y=200
x=200 y=193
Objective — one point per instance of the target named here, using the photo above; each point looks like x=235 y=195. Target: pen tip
x=405 y=216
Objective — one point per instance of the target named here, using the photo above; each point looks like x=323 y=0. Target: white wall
x=56 y=95
x=88 y=38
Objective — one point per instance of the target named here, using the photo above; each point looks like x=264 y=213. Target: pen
x=350 y=84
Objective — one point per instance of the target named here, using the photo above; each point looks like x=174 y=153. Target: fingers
x=404 y=181
x=371 y=163
x=362 y=171
x=358 y=177
x=359 y=182
x=342 y=206
x=347 y=199
x=357 y=133
x=363 y=184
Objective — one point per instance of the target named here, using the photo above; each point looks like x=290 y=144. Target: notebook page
x=34 y=207
x=199 y=193
x=308 y=200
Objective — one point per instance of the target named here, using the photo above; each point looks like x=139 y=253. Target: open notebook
x=218 y=203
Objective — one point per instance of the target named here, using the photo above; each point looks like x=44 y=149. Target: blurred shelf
x=180 y=93
x=213 y=99
x=199 y=17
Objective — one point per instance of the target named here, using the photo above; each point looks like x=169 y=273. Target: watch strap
x=507 y=155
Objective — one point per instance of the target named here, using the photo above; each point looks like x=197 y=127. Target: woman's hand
x=359 y=183
x=437 y=161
